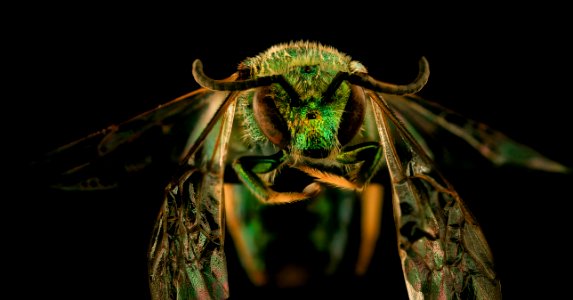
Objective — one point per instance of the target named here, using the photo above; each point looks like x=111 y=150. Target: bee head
x=306 y=98
x=310 y=122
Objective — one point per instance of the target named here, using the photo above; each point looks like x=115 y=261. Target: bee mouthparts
x=316 y=153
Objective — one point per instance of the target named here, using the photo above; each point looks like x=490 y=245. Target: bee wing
x=188 y=137
x=186 y=258
x=159 y=138
x=419 y=114
x=442 y=248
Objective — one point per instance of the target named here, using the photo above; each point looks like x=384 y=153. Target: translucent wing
x=187 y=137
x=433 y=120
x=157 y=139
x=186 y=255
x=443 y=251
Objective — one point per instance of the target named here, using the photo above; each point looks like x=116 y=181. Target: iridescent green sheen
x=309 y=68
x=323 y=97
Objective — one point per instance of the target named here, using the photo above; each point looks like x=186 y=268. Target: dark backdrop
x=80 y=70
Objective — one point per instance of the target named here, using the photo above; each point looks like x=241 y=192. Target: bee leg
x=370 y=154
x=248 y=238
x=247 y=168
x=371 y=201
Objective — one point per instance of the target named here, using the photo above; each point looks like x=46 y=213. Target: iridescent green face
x=306 y=117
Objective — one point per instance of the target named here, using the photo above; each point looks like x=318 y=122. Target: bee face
x=313 y=115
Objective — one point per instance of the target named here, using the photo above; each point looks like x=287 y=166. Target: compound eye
x=353 y=115
x=269 y=119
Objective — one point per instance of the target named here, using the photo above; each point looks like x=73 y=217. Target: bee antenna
x=367 y=81
x=226 y=85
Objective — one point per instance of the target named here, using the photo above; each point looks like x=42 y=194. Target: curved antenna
x=361 y=79
x=239 y=85
x=223 y=85
x=367 y=81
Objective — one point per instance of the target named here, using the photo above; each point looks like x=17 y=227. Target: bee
x=300 y=126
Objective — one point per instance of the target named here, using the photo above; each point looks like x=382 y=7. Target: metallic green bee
x=300 y=122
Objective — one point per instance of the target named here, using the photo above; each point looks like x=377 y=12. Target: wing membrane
x=441 y=246
x=431 y=118
x=186 y=254
x=188 y=136
x=159 y=137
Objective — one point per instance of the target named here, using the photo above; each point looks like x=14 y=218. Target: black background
x=82 y=69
